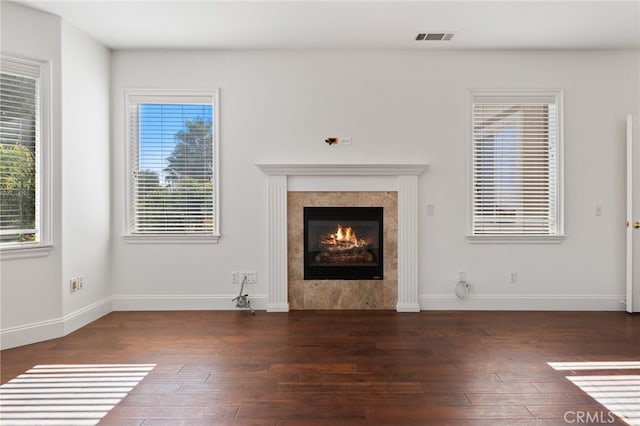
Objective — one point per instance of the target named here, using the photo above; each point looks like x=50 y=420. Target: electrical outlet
x=431 y=209
x=247 y=277
x=80 y=282
x=73 y=285
x=597 y=210
x=462 y=276
x=345 y=141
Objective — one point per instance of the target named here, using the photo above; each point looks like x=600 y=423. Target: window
x=173 y=171
x=516 y=161
x=24 y=143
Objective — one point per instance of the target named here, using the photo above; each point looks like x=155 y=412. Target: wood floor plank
x=291 y=411
x=313 y=368
x=525 y=399
x=478 y=387
x=217 y=411
x=450 y=412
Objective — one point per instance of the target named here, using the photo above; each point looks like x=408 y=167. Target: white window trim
x=558 y=238
x=177 y=95
x=44 y=246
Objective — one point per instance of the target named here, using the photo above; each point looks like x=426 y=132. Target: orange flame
x=347 y=235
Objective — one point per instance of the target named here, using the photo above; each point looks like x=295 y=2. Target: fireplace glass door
x=343 y=243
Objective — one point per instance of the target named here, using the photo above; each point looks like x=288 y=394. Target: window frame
x=41 y=70
x=516 y=95
x=157 y=95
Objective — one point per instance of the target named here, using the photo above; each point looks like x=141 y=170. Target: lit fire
x=343 y=246
x=346 y=235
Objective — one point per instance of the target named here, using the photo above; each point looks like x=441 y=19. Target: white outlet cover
x=597 y=210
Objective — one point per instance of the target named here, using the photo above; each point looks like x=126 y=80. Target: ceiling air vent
x=434 y=36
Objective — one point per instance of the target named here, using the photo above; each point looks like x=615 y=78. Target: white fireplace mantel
x=402 y=178
x=342 y=169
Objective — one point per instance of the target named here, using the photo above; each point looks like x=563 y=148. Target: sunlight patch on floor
x=620 y=394
x=596 y=365
x=67 y=394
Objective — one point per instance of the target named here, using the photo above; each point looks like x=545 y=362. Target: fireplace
x=343 y=243
x=292 y=186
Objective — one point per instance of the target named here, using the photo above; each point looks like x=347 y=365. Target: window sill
x=171 y=239
x=516 y=239
x=25 y=251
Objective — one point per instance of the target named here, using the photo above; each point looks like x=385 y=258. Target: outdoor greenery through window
x=172 y=165
x=19 y=154
x=515 y=164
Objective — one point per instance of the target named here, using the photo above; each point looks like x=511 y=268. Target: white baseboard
x=180 y=302
x=86 y=315
x=52 y=329
x=408 y=307
x=31 y=333
x=277 y=307
x=500 y=302
x=519 y=302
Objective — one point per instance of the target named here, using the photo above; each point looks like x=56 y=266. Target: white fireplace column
x=402 y=178
x=278 y=275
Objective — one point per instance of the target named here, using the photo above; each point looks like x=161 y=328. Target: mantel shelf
x=302 y=169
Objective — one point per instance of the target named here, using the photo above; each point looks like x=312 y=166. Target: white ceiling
x=306 y=24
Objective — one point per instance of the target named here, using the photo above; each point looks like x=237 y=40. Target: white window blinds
x=515 y=164
x=172 y=164
x=19 y=153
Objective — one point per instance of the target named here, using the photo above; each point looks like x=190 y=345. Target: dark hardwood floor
x=353 y=368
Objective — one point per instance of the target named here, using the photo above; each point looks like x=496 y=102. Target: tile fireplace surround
x=400 y=178
x=329 y=294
